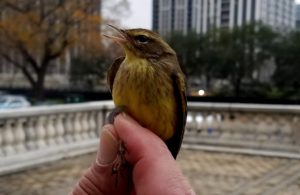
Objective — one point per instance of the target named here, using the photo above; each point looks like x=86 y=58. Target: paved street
x=210 y=174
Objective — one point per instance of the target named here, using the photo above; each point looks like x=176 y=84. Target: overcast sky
x=141 y=14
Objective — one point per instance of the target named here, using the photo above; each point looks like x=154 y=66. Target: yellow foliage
x=51 y=27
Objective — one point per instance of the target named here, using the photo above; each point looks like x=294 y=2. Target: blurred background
x=242 y=63
x=229 y=50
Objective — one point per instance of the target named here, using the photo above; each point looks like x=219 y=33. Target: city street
x=209 y=173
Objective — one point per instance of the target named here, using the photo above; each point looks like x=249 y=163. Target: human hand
x=154 y=170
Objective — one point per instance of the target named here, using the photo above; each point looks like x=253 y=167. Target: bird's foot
x=120 y=163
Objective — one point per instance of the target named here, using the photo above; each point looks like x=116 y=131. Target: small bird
x=149 y=85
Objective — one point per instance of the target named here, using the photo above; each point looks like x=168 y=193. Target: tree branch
x=19 y=66
x=27 y=56
x=19 y=7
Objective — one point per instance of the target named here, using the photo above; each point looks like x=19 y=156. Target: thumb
x=109 y=144
x=99 y=178
x=139 y=141
x=154 y=168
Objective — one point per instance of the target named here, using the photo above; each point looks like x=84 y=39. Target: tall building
x=298 y=17
x=201 y=15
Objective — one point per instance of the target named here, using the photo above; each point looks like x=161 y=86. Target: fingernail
x=108 y=146
x=129 y=118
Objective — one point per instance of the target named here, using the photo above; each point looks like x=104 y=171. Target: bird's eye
x=141 y=38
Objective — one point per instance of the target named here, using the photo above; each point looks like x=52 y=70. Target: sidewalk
x=209 y=173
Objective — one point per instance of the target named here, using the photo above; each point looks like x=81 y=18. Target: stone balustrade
x=247 y=128
x=37 y=135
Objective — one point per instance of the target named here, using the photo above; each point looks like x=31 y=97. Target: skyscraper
x=201 y=15
x=298 y=17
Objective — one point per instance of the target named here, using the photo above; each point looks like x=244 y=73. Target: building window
x=253 y=10
x=181 y=2
x=244 y=11
x=236 y=4
x=225 y=13
x=165 y=3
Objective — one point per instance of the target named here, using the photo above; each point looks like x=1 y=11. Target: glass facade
x=202 y=15
x=298 y=17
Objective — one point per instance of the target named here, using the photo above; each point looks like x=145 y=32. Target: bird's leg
x=120 y=162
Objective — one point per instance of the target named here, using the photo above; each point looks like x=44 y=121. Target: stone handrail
x=38 y=135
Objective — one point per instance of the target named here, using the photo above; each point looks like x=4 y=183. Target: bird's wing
x=174 y=143
x=112 y=71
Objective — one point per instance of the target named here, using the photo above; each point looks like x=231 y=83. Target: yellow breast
x=147 y=95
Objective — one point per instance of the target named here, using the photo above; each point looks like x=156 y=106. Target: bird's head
x=141 y=43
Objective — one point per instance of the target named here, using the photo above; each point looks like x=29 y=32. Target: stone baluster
x=262 y=129
x=69 y=127
x=60 y=131
x=202 y=123
x=251 y=127
x=50 y=130
x=189 y=119
x=8 y=138
x=226 y=125
x=1 y=139
x=296 y=129
x=211 y=122
x=191 y=123
x=77 y=126
x=19 y=134
x=92 y=124
x=256 y=123
x=273 y=127
x=235 y=130
x=245 y=126
x=100 y=120
x=40 y=132
x=271 y=123
x=234 y=126
x=84 y=125
x=219 y=123
x=234 y=117
x=214 y=124
x=31 y=134
x=286 y=128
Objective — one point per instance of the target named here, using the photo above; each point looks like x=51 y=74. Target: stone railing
x=43 y=134
x=246 y=128
x=38 y=135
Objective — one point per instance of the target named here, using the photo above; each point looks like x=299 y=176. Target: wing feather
x=112 y=71
x=174 y=143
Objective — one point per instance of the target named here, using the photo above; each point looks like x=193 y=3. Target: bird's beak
x=119 y=39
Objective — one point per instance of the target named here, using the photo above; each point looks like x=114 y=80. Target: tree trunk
x=237 y=87
x=39 y=85
x=207 y=81
x=38 y=91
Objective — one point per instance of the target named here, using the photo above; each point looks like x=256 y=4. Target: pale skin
x=152 y=170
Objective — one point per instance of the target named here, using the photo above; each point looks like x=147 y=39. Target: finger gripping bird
x=149 y=85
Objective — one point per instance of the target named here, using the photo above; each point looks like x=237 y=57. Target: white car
x=13 y=101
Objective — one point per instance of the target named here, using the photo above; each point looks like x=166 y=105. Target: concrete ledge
x=247 y=151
